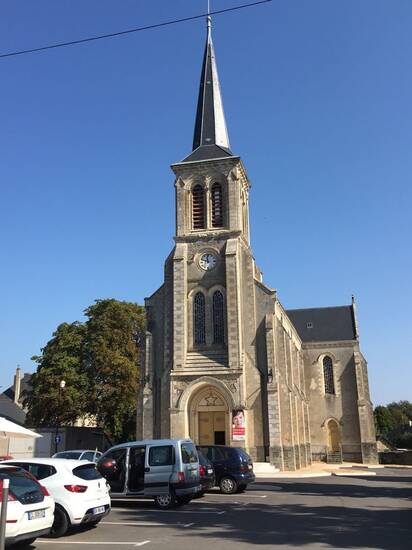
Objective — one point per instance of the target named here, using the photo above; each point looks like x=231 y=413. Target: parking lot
x=330 y=512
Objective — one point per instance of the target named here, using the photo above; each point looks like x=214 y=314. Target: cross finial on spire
x=208 y=19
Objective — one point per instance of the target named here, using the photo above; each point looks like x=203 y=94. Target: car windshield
x=22 y=485
x=68 y=454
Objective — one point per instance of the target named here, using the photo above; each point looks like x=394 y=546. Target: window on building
x=328 y=375
x=198 y=207
x=217 y=205
x=199 y=319
x=218 y=318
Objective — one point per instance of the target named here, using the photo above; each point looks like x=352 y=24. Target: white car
x=80 y=493
x=82 y=454
x=29 y=508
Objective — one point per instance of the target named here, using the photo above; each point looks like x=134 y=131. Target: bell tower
x=211 y=183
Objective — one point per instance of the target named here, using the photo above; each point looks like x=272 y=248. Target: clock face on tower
x=207 y=261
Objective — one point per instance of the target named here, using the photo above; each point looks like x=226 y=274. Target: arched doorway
x=209 y=418
x=334 y=442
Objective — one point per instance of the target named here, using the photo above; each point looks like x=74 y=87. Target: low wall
x=396 y=457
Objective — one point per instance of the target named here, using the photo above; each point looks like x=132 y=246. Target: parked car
x=233 y=467
x=206 y=472
x=29 y=508
x=81 y=494
x=83 y=454
x=166 y=470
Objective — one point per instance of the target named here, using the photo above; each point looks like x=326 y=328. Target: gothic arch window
x=198 y=207
x=218 y=318
x=199 y=319
x=217 y=205
x=328 y=375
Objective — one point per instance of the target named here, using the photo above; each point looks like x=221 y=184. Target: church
x=225 y=362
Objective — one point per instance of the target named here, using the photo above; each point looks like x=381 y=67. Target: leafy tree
x=401 y=411
x=383 y=420
x=112 y=358
x=61 y=359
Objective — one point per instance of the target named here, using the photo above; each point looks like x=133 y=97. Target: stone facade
x=225 y=362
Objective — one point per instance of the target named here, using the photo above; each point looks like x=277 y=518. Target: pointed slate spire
x=210 y=138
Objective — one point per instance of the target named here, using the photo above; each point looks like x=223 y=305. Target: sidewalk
x=321 y=469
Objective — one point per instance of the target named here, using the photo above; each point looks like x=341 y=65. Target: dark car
x=233 y=467
x=207 y=473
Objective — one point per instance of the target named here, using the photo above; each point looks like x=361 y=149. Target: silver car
x=164 y=469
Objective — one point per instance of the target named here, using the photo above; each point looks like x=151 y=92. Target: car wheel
x=61 y=522
x=228 y=485
x=241 y=488
x=165 y=502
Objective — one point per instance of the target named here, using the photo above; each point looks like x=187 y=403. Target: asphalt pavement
x=361 y=513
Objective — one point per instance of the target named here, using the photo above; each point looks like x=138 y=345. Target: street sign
x=57 y=438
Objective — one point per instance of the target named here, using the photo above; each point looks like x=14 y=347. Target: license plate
x=36 y=514
x=210 y=471
x=98 y=510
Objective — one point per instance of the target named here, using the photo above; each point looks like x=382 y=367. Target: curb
x=292 y=475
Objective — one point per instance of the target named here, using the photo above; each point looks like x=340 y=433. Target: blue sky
x=318 y=103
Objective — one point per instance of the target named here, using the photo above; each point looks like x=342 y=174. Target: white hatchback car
x=29 y=507
x=81 y=494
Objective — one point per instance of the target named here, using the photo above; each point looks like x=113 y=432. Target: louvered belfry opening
x=199 y=319
x=198 y=207
x=328 y=375
x=217 y=205
x=218 y=318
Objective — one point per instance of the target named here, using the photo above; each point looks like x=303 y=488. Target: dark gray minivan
x=164 y=469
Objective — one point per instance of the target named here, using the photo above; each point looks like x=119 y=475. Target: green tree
x=60 y=359
x=398 y=415
x=401 y=410
x=383 y=420
x=112 y=359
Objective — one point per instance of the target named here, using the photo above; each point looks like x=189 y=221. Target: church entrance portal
x=334 y=442
x=209 y=418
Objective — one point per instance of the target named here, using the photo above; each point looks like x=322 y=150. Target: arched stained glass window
x=199 y=319
x=218 y=318
x=328 y=375
x=217 y=205
x=198 y=207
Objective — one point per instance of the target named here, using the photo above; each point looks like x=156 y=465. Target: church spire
x=210 y=140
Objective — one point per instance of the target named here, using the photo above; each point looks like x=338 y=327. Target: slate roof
x=210 y=139
x=11 y=411
x=324 y=324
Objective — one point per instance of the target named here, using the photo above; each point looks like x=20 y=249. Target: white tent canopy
x=10 y=429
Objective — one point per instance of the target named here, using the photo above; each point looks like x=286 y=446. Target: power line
x=129 y=31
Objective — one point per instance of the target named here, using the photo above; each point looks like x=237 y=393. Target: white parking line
x=45 y=541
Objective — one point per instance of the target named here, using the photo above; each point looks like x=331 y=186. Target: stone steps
x=264 y=468
x=334 y=458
